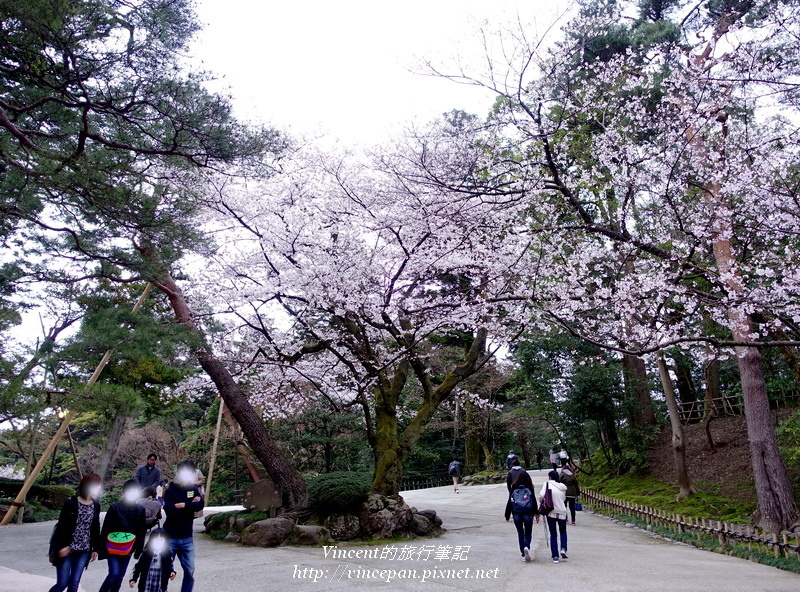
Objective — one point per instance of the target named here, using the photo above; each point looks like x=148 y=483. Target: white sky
x=345 y=68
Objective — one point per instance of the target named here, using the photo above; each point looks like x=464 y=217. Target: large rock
x=420 y=525
x=432 y=516
x=310 y=534
x=343 y=527
x=382 y=515
x=267 y=533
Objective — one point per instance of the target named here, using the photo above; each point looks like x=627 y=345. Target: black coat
x=143 y=566
x=65 y=527
x=124 y=518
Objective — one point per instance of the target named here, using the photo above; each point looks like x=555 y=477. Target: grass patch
x=647 y=491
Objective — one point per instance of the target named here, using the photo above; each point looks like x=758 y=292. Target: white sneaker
x=527 y=554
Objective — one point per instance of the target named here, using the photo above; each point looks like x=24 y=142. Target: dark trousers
x=524 y=525
x=561 y=525
x=571 y=503
x=69 y=571
x=117 y=565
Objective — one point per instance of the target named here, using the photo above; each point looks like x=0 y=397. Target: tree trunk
x=678 y=442
x=392 y=447
x=777 y=509
x=712 y=392
x=279 y=469
x=117 y=428
x=472 y=444
x=637 y=388
x=388 y=477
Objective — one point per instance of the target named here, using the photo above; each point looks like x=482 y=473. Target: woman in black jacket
x=76 y=537
x=154 y=569
x=125 y=516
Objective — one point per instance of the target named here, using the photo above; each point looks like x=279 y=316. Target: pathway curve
x=604 y=557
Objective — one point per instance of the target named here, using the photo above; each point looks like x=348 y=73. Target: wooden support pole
x=214 y=451
x=20 y=499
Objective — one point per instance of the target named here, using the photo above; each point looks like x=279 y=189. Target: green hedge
x=50 y=496
x=339 y=491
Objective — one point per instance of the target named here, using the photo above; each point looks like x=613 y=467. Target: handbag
x=578 y=507
x=546 y=506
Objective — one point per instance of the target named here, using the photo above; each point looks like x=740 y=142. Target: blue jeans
x=184 y=549
x=117 y=566
x=561 y=525
x=524 y=524
x=69 y=571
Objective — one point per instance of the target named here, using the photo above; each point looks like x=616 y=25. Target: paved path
x=604 y=557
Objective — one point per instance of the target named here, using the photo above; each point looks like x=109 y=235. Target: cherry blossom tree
x=662 y=187
x=353 y=278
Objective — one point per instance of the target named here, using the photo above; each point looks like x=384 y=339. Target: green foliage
x=340 y=491
x=49 y=496
x=789 y=441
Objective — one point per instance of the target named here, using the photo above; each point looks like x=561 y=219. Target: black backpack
x=454 y=469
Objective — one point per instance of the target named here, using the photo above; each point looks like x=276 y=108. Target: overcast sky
x=347 y=68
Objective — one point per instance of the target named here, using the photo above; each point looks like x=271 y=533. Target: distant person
x=181 y=500
x=148 y=475
x=557 y=518
x=152 y=507
x=123 y=535
x=569 y=479
x=512 y=456
x=154 y=569
x=454 y=469
x=76 y=537
x=522 y=505
x=553 y=459
x=539 y=457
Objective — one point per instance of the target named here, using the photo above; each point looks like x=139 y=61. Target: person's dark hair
x=148 y=492
x=130 y=484
x=88 y=481
x=152 y=455
x=554 y=476
x=515 y=463
x=186 y=464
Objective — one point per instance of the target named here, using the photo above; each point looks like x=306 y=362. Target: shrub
x=339 y=491
x=50 y=496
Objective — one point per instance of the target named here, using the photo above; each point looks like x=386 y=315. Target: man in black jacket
x=181 y=500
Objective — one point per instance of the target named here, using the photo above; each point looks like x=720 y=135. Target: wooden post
x=19 y=501
x=74 y=453
x=214 y=451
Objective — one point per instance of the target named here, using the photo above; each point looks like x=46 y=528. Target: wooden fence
x=693 y=411
x=728 y=534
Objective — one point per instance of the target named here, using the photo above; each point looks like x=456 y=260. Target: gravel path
x=478 y=552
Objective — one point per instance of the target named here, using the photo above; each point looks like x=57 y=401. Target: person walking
x=154 y=569
x=148 y=475
x=569 y=479
x=454 y=469
x=510 y=459
x=76 y=536
x=182 y=499
x=557 y=518
x=539 y=457
x=123 y=535
x=553 y=459
x=521 y=505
